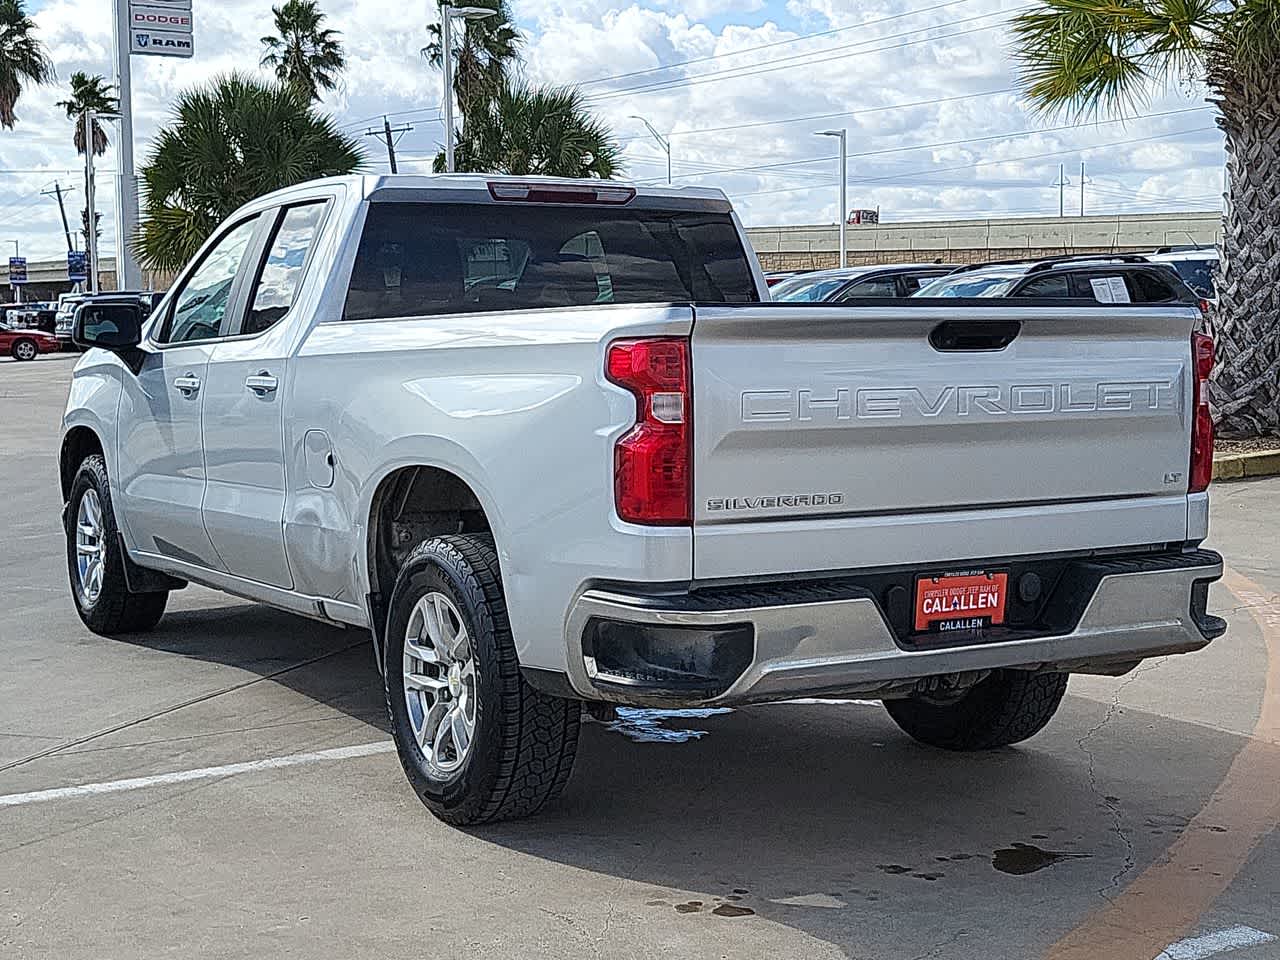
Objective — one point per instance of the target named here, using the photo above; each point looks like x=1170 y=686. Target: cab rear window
x=420 y=259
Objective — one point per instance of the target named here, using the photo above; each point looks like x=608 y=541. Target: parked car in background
x=849 y=283
x=36 y=315
x=24 y=343
x=1128 y=278
x=773 y=278
x=1197 y=267
x=146 y=299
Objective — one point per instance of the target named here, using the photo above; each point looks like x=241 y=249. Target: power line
x=768 y=46
x=952 y=143
x=737 y=73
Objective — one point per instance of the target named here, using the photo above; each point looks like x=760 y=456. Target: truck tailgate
x=845 y=437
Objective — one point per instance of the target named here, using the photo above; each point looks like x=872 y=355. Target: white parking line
x=203 y=773
x=1212 y=944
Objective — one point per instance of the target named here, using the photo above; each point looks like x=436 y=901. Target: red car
x=26 y=344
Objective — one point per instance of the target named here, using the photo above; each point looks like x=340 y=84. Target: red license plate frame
x=971 y=600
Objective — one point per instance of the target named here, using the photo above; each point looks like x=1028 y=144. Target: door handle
x=188 y=384
x=262 y=384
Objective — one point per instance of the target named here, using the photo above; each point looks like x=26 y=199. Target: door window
x=1055 y=286
x=1146 y=286
x=877 y=287
x=202 y=303
x=281 y=275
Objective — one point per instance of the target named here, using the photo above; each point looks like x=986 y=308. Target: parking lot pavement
x=223 y=787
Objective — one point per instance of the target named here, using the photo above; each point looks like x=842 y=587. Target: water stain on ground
x=893 y=868
x=1021 y=859
x=732 y=910
x=693 y=906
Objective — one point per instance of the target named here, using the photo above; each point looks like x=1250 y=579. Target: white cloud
x=880 y=58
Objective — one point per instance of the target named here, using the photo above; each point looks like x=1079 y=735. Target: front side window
x=1146 y=286
x=881 y=287
x=420 y=259
x=200 y=306
x=1056 y=286
x=282 y=273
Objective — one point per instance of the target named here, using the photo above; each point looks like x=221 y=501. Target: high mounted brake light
x=561 y=193
x=653 y=462
x=1201 y=419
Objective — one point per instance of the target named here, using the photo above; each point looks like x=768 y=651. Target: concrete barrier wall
x=970 y=241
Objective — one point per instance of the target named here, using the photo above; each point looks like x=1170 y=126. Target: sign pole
x=128 y=275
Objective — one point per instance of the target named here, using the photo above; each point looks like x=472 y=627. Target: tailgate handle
x=965 y=335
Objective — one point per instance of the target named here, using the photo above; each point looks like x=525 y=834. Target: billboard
x=161 y=28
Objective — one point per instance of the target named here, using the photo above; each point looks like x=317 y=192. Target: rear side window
x=1148 y=287
x=282 y=273
x=418 y=259
x=1197 y=274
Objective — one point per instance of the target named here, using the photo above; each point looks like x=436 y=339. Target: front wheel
x=24 y=350
x=95 y=563
x=477 y=743
x=1005 y=708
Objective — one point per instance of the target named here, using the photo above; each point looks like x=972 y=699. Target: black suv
x=1095 y=278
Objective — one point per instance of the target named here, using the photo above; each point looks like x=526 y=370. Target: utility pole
x=447 y=14
x=128 y=273
x=385 y=135
x=62 y=208
x=1082 y=188
x=843 y=136
x=1061 y=184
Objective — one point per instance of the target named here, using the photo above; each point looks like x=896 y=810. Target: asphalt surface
x=1142 y=817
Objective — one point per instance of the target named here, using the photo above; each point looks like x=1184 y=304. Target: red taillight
x=1202 y=421
x=1204 y=307
x=653 y=463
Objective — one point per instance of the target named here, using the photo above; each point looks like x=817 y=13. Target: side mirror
x=112 y=326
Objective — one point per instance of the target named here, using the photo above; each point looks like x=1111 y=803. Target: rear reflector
x=653 y=468
x=561 y=193
x=1201 y=420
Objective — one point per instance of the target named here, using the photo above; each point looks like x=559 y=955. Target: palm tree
x=304 y=55
x=484 y=50
x=230 y=142
x=90 y=93
x=1081 y=56
x=529 y=131
x=22 y=58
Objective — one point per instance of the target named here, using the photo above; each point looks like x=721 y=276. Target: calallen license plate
x=965 y=601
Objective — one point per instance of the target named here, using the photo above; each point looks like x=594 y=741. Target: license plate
x=962 y=602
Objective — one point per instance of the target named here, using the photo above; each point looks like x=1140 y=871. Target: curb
x=1241 y=466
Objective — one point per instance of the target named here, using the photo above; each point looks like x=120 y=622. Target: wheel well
x=80 y=442
x=411 y=505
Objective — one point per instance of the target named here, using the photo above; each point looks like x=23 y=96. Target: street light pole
x=843 y=135
x=90 y=227
x=17 y=287
x=447 y=14
x=662 y=142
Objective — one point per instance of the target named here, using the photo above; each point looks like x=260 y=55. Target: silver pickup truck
x=551 y=444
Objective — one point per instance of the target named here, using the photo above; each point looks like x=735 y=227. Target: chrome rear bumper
x=1143 y=606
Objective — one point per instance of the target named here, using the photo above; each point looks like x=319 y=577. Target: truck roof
x=474 y=187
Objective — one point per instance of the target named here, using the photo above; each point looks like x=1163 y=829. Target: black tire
x=115 y=610
x=24 y=349
x=524 y=741
x=1007 y=707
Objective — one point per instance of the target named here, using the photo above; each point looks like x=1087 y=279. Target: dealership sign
x=161 y=28
x=77 y=266
x=17 y=271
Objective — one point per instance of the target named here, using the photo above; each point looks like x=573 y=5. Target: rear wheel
x=95 y=564
x=24 y=350
x=1007 y=707
x=477 y=743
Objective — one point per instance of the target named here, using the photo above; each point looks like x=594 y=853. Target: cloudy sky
x=924 y=88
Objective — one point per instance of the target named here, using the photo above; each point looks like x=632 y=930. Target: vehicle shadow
x=327 y=664
x=827 y=819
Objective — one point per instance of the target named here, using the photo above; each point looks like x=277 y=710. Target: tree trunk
x=1245 y=392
